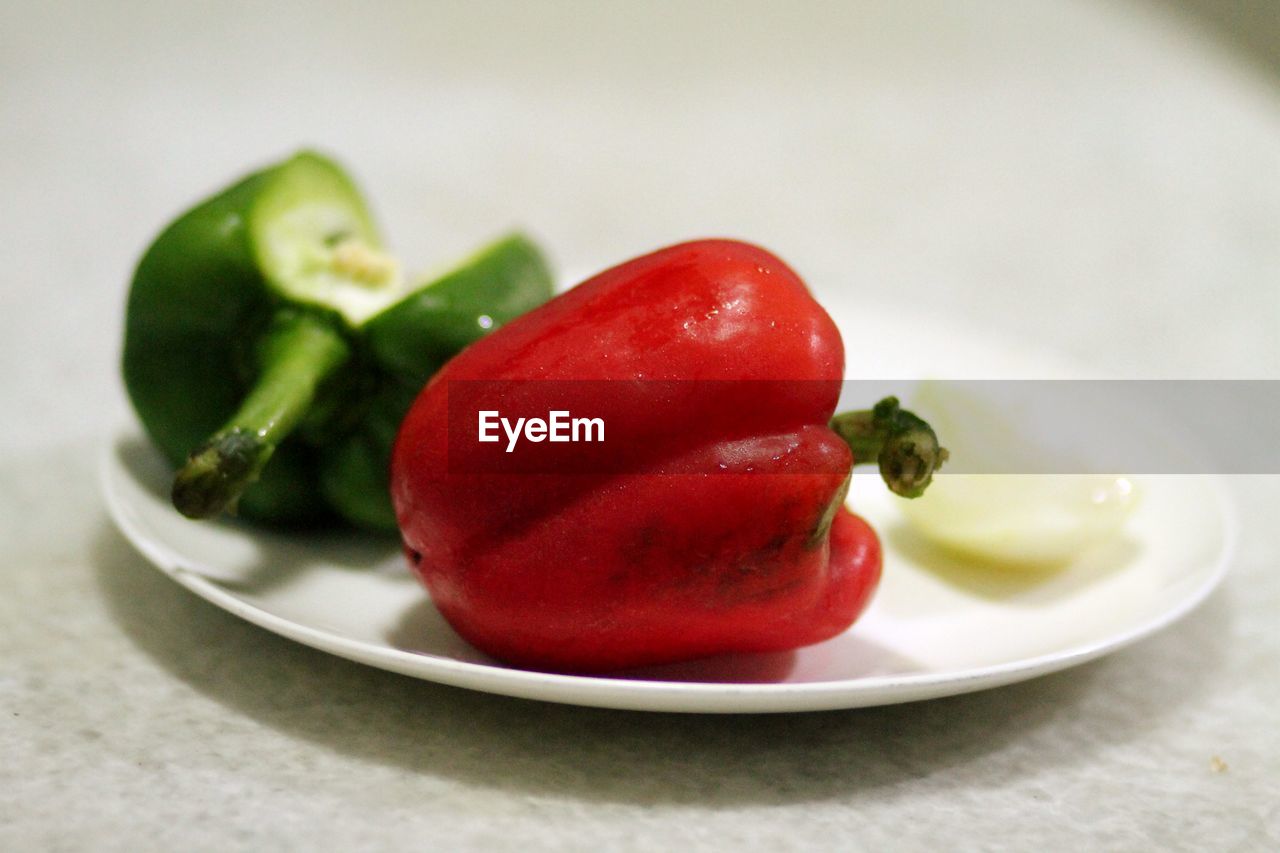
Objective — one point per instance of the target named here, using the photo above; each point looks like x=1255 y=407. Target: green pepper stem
x=903 y=445
x=299 y=352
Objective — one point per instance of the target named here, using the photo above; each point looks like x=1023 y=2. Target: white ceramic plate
x=937 y=627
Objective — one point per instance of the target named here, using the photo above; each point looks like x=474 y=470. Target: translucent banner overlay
x=594 y=427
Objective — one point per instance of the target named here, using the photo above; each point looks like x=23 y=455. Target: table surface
x=1101 y=179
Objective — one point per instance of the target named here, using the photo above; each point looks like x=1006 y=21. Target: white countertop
x=1100 y=178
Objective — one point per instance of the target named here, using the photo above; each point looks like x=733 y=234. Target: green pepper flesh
x=272 y=346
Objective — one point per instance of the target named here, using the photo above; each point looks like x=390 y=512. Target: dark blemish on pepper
x=416 y=556
x=637 y=552
x=776 y=544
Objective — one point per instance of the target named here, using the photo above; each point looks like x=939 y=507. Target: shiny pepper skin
x=716 y=538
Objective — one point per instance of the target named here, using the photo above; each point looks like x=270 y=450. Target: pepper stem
x=299 y=352
x=902 y=444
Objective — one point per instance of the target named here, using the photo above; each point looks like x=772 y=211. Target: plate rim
x=657 y=695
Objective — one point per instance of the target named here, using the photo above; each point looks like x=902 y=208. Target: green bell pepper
x=268 y=323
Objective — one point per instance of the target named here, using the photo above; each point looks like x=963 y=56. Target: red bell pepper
x=710 y=520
